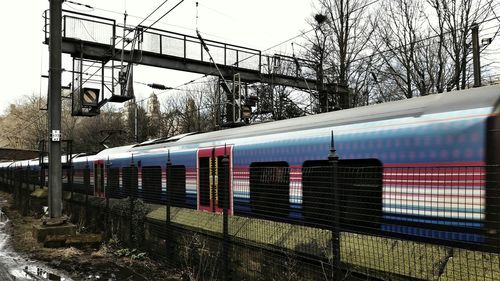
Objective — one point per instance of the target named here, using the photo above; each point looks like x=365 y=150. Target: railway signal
x=90 y=97
x=85 y=102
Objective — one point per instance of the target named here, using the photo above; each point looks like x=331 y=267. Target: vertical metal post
x=132 y=191
x=19 y=185
x=136 y=122
x=103 y=67
x=123 y=41
x=70 y=181
x=185 y=54
x=107 y=231
x=168 y=232
x=260 y=62
x=218 y=110
x=55 y=171
x=161 y=45
x=9 y=181
x=475 y=55
x=333 y=159
x=86 y=185
x=27 y=174
x=225 y=54
x=322 y=94
x=225 y=219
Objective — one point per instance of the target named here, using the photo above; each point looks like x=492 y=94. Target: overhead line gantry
x=91 y=37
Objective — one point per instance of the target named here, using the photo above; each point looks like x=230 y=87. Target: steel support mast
x=54 y=110
x=475 y=55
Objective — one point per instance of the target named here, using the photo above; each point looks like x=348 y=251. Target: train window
x=178 y=185
x=317 y=197
x=269 y=189
x=360 y=182
x=113 y=183
x=360 y=189
x=151 y=184
x=204 y=174
x=130 y=182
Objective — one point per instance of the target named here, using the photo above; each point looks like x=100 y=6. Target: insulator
x=158 y=86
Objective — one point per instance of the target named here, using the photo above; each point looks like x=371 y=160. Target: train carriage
x=425 y=167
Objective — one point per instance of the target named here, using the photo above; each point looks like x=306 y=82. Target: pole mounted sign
x=55 y=135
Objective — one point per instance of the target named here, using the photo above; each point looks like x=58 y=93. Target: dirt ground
x=106 y=263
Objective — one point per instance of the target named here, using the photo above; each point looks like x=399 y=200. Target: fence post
x=106 y=195
x=41 y=179
x=132 y=191
x=25 y=191
x=18 y=186
x=9 y=180
x=225 y=219
x=26 y=185
x=86 y=184
x=13 y=182
x=168 y=226
x=333 y=159
x=70 y=183
x=20 y=181
x=21 y=190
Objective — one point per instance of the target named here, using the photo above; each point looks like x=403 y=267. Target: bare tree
x=24 y=124
x=398 y=30
x=455 y=19
x=339 y=41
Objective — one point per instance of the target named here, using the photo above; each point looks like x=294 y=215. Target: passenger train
x=433 y=167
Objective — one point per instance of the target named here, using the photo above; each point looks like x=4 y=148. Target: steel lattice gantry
x=92 y=37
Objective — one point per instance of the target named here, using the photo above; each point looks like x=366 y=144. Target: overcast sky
x=258 y=24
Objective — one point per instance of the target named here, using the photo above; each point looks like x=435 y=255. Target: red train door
x=209 y=171
x=99 y=178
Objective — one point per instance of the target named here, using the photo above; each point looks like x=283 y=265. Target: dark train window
x=269 y=189
x=360 y=190
x=130 y=181
x=317 y=197
x=204 y=174
x=113 y=183
x=360 y=183
x=178 y=185
x=151 y=184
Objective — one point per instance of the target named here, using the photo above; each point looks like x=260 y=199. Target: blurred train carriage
x=423 y=168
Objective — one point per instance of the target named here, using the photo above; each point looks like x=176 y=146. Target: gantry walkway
x=98 y=38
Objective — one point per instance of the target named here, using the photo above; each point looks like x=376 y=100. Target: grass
x=380 y=257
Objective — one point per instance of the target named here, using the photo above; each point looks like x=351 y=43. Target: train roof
x=488 y=96
x=113 y=150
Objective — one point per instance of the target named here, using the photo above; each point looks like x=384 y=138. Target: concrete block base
x=42 y=231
